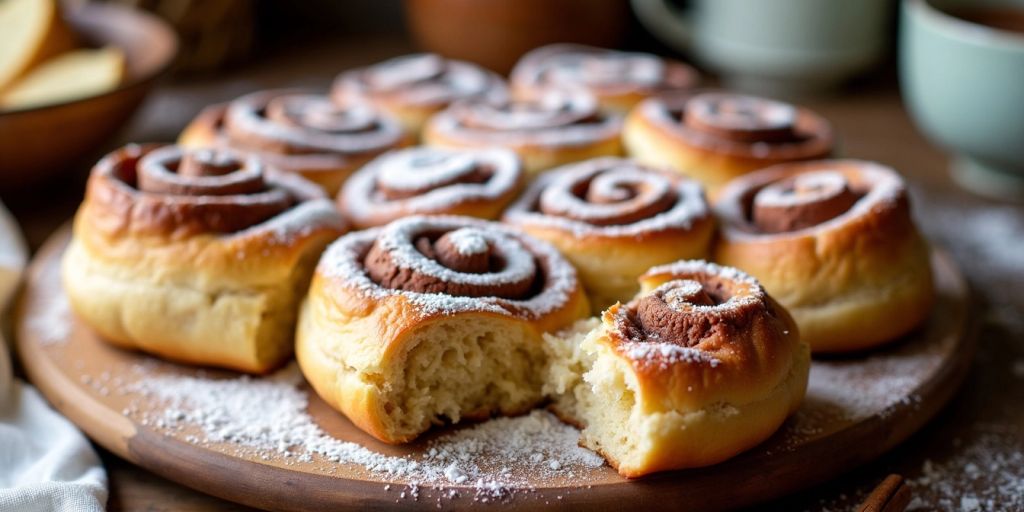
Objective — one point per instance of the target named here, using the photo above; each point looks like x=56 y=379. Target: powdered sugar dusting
x=858 y=391
x=982 y=476
x=52 y=324
x=343 y=261
x=557 y=120
x=398 y=240
x=267 y=417
x=51 y=318
x=556 y=188
x=299 y=222
x=693 y=267
x=468 y=241
x=669 y=353
x=436 y=175
x=420 y=79
x=845 y=391
x=883 y=189
x=570 y=65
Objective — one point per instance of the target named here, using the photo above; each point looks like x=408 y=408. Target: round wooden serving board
x=857 y=407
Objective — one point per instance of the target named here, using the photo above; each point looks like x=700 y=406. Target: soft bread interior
x=566 y=364
x=596 y=389
x=454 y=369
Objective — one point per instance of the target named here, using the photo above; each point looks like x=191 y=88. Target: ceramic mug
x=964 y=85
x=778 y=47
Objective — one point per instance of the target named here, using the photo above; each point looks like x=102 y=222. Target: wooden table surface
x=982 y=430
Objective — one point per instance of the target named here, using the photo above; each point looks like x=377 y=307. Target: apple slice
x=31 y=31
x=70 y=76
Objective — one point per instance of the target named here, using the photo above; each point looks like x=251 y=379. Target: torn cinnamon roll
x=700 y=367
x=430 y=320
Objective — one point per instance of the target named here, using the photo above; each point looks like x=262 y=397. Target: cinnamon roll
x=425 y=180
x=433 y=319
x=619 y=80
x=411 y=88
x=834 y=242
x=614 y=219
x=198 y=256
x=299 y=132
x=701 y=366
x=552 y=130
x=717 y=136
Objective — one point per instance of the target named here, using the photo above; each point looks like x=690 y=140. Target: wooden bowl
x=40 y=142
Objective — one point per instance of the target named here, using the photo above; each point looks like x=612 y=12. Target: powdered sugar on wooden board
x=52 y=323
x=268 y=418
x=280 y=422
x=990 y=243
x=982 y=476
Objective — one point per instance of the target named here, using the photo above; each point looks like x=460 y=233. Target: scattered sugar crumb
x=982 y=476
x=52 y=322
x=266 y=417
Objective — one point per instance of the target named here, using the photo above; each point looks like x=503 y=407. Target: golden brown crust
x=614 y=219
x=432 y=181
x=715 y=137
x=163 y=272
x=737 y=346
x=853 y=281
x=546 y=132
x=413 y=87
x=617 y=79
x=359 y=323
x=701 y=366
x=299 y=132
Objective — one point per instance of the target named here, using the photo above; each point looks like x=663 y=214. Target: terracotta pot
x=495 y=33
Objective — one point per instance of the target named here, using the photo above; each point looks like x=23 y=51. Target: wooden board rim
x=270 y=487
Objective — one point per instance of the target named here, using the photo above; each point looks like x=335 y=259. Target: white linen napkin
x=45 y=462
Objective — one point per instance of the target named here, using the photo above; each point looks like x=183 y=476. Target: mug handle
x=668 y=24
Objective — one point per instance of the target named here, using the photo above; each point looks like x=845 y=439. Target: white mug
x=774 y=46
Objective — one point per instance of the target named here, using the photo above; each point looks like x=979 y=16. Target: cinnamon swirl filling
x=600 y=70
x=425 y=180
x=802 y=201
x=700 y=304
x=170 y=188
x=743 y=126
x=549 y=120
x=449 y=263
x=418 y=79
x=794 y=197
x=612 y=193
x=294 y=123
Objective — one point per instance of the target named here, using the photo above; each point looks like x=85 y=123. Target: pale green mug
x=964 y=85
x=775 y=47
